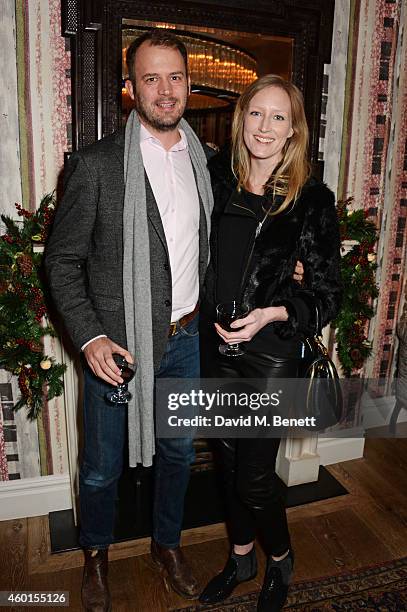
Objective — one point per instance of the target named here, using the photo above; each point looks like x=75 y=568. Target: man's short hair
x=157 y=38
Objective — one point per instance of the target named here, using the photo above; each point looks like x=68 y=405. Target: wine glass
x=121 y=394
x=227 y=312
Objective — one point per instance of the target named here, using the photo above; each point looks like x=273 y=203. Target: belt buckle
x=173 y=329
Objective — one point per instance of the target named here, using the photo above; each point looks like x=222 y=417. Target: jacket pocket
x=106 y=302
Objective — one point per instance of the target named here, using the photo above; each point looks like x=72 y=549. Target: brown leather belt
x=183 y=321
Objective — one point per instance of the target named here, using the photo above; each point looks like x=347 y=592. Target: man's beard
x=157 y=121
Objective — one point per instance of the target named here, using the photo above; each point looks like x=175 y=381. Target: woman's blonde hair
x=293 y=171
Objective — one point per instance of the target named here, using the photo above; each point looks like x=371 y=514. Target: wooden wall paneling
x=95 y=28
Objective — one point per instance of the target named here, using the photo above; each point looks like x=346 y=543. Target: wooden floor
x=366 y=527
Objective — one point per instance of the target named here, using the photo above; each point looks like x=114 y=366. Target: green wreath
x=358 y=268
x=23 y=313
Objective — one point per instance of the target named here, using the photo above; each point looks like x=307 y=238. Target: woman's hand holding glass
x=250 y=325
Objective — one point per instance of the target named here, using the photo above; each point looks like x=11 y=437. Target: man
x=125 y=261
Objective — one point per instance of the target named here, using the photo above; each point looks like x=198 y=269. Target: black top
x=235 y=241
x=236 y=236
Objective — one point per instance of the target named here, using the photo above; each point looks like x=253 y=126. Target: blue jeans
x=104 y=428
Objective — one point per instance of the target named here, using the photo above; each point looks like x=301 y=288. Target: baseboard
x=377 y=412
x=34 y=496
x=42 y=495
x=335 y=450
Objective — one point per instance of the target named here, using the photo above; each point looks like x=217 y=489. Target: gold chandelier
x=213 y=65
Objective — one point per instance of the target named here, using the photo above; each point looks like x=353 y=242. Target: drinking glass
x=227 y=312
x=121 y=394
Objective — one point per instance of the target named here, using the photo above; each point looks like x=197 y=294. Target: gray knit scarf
x=137 y=283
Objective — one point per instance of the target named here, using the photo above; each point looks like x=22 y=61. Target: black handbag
x=321 y=395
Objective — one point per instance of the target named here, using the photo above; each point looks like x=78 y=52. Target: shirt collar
x=181 y=145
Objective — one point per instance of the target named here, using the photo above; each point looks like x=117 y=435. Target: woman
x=269 y=212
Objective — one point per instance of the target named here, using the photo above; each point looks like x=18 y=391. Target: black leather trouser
x=254 y=491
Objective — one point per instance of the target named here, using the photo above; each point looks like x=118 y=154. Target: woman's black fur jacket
x=307 y=231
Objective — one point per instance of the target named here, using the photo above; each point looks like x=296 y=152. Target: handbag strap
x=314 y=306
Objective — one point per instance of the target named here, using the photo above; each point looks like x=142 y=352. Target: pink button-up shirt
x=173 y=183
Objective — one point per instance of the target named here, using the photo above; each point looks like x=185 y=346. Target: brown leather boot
x=173 y=563
x=95 y=589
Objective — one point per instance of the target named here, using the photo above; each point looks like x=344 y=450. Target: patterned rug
x=381 y=587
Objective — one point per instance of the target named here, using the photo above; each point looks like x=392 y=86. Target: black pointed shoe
x=222 y=585
x=274 y=592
